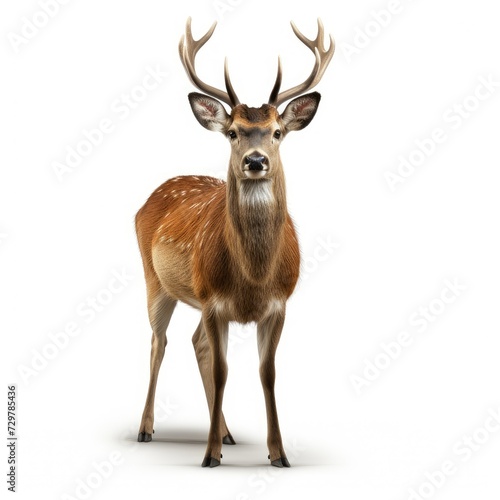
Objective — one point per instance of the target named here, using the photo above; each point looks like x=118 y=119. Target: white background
x=61 y=241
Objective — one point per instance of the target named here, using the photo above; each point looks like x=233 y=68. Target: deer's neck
x=256 y=215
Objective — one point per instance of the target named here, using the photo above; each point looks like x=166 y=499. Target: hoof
x=210 y=462
x=281 y=462
x=144 y=437
x=228 y=439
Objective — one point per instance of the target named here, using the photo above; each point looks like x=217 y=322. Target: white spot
x=220 y=307
x=199 y=238
x=275 y=306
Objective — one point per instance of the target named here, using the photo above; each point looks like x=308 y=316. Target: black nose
x=255 y=162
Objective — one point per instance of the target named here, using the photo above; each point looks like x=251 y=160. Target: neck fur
x=255 y=222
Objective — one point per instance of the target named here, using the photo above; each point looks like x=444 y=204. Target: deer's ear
x=209 y=112
x=299 y=112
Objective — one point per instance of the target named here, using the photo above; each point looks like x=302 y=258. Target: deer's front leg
x=216 y=331
x=268 y=336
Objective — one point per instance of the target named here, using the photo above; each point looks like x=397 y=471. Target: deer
x=228 y=248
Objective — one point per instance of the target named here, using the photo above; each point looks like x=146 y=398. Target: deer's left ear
x=299 y=112
x=209 y=112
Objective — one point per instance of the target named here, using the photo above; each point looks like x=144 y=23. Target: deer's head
x=255 y=134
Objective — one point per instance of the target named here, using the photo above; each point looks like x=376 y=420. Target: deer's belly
x=245 y=303
x=173 y=268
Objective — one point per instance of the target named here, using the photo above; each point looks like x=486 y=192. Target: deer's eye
x=231 y=134
x=277 y=134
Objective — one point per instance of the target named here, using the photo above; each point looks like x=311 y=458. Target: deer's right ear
x=209 y=112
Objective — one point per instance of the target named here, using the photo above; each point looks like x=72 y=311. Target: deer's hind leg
x=160 y=309
x=204 y=358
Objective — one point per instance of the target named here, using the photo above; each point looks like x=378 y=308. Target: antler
x=188 y=48
x=323 y=58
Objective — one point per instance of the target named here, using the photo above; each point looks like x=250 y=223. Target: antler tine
x=322 y=59
x=317 y=42
x=188 y=48
x=274 y=93
x=229 y=86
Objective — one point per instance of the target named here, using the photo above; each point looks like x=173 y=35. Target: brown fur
x=247 y=257
x=228 y=249
x=263 y=115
